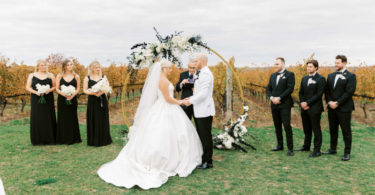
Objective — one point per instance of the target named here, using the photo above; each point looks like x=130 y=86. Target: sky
x=254 y=32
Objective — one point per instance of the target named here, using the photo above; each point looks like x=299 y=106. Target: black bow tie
x=311 y=76
x=191 y=76
x=279 y=73
x=338 y=72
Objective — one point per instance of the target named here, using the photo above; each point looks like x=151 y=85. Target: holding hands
x=185 y=102
x=333 y=105
x=304 y=106
x=276 y=100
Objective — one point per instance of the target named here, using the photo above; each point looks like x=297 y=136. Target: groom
x=204 y=108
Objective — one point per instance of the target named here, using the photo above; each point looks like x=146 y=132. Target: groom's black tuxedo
x=283 y=89
x=281 y=113
x=187 y=91
x=311 y=92
x=343 y=93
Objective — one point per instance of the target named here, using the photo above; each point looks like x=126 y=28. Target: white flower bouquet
x=42 y=89
x=169 y=47
x=101 y=86
x=233 y=136
x=68 y=91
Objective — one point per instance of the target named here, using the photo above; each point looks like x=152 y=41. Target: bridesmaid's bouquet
x=68 y=91
x=101 y=86
x=42 y=89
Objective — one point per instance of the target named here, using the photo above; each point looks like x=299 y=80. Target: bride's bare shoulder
x=163 y=82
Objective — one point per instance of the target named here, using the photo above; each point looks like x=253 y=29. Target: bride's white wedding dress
x=163 y=144
x=2 y=191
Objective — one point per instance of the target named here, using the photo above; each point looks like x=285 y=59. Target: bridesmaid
x=98 y=131
x=67 y=121
x=42 y=116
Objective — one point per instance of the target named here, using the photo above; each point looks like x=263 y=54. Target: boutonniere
x=196 y=76
x=310 y=81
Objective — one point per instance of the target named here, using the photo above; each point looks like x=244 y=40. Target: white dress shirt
x=279 y=76
x=277 y=80
x=338 y=76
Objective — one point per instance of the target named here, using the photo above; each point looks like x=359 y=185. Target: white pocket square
x=310 y=81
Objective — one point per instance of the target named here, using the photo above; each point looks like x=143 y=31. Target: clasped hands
x=276 y=100
x=304 y=106
x=184 y=102
x=333 y=105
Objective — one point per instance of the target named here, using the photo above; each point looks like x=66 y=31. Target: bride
x=162 y=141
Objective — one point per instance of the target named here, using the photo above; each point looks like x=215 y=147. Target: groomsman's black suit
x=343 y=94
x=281 y=112
x=312 y=94
x=187 y=91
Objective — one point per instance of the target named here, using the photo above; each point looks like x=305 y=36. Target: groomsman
x=341 y=86
x=310 y=95
x=186 y=84
x=279 y=90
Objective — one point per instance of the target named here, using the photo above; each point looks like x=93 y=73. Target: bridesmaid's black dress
x=42 y=116
x=98 y=131
x=67 y=121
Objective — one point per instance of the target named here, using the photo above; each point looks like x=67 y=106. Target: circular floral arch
x=169 y=47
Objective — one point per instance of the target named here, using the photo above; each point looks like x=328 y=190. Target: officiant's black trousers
x=337 y=118
x=311 y=123
x=281 y=116
x=204 y=126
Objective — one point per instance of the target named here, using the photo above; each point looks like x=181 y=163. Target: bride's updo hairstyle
x=165 y=63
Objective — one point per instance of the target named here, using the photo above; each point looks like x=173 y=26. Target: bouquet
x=68 y=91
x=42 y=89
x=233 y=136
x=101 y=86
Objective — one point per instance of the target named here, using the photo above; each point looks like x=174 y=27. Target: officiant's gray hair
x=164 y=63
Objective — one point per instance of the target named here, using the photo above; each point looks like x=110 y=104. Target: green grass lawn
x=73 y=168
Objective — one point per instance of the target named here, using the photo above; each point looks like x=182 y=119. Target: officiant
x=186 y=85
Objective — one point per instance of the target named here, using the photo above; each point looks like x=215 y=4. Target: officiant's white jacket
x=202 y=100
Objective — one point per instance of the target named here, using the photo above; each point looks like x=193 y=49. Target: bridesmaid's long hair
x=38 y=63
x=64 y=65
x=91 y=66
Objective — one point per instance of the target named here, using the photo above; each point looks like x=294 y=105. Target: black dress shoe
x=303 y=148
x=290 y=153
x=204 y=165
x=346 y=157
x=330 y=151
x=315 y=154
x=210 y=165
x=277 y=149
